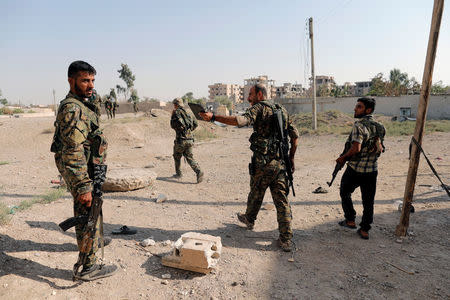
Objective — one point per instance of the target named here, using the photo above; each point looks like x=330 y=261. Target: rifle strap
x=102 y=240
x=431 y=166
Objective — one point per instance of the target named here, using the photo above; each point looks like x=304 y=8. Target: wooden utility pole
x=314 y=103
x=402 y=227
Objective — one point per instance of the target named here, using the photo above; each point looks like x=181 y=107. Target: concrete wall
x=126 y=107
x=438 y=106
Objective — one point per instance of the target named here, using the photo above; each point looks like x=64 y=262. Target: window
x=405 y=112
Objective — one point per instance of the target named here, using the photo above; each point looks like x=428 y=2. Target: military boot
x=178 y=173
x=200 y=175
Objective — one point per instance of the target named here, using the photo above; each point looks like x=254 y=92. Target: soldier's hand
x=85 y=199
x=292 y=165
x=206 y=115
x=341 y=160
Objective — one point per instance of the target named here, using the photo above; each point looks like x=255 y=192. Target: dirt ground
x=330 y=262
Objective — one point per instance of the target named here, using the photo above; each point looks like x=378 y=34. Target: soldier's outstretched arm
x=74 y=132
x=229 y=120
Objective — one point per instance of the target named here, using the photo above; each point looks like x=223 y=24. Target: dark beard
x=79 y=92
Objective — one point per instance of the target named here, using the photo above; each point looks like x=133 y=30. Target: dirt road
x=36 y=258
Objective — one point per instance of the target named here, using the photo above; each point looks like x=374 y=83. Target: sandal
x=124 y=230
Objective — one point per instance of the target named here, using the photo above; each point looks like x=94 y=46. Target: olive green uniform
x=78 y=144
x=267 y=169
x=184 y=140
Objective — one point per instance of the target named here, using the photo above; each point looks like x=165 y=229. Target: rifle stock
x=73 y=221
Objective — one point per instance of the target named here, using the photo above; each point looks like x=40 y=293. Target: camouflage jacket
x=183 y=124
x=78 y=142
x=264 y=140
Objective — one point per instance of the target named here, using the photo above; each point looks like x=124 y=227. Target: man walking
x=80 y=151
x=366 y=145
x=184 y=124
x=267 y=168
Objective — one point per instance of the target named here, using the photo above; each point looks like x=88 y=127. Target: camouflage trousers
x=271 y=175
x=81 y=209
x=184 y=148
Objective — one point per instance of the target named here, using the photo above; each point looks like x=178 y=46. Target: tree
x=378 y=87
x=112 y=94
x=399 y=82
x=413 y=86
x=3 y=100
x=127 y=76
x=224 y=100
x=188 y=97
x=438 y=88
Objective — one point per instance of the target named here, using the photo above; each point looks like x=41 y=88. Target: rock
x=53 y=293
x=412 y=256
x=399 y=241
x=150 y=166
x=5 y=285
x=165 y=282
x=122 y=180
x=155 y=112
x=161 y=198
x=166 y=276
x=167 y=243
x=269 y=206
x=382 y=246
x=139 y=145
x=148 y=242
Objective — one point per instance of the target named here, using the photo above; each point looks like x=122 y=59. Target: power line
x=333 y=11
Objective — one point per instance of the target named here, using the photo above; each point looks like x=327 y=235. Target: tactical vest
x=95 y=145
x=265 y=139
x=375 y=142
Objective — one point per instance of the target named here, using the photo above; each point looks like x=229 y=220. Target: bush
x=18 y=111
x=5 y=111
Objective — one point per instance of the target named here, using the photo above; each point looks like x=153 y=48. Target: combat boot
x=200 y=176
x=286 y=246
x=96 y=272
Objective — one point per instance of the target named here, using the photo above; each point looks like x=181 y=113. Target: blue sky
x=174 y=47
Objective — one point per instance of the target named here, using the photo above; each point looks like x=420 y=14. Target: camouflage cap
x=178 y=101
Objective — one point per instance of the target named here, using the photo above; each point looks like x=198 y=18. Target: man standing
x=267 y=168
x=184 y=125
x=366 y=145
x=80 y=148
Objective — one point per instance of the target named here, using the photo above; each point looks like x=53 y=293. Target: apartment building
x=362 y=87
x=231 y=91
x=289 y=90
x=264 y=80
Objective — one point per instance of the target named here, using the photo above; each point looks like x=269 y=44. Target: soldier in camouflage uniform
x=366 y=140
x=184 y=125
x=78 y=144
x=267 y=169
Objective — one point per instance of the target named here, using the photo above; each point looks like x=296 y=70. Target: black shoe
x=200 y=176
x=243 y=219
x=96 y=272
x=177 y=176
x=348 y=224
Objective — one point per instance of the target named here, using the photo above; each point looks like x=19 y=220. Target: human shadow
x=171 y=179
x=30 y=269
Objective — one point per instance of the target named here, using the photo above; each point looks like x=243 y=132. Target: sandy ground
x=36 y=257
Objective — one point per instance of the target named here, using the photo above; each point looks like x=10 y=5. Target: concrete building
x=289 y=90
x=348 y=89
x=324 y=85
x=362 y=87
x=231 y=91
x=264 y=80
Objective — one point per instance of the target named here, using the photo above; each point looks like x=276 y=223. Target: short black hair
x=368 y=102
x=261 y=88
x=80 y=66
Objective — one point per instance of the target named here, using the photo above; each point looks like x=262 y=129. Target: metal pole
x=402 y=227
x=314 y=103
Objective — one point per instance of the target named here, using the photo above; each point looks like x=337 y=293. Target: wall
x=126 y=107
x=438 y=106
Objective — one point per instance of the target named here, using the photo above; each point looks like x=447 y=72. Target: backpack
x=183 y=120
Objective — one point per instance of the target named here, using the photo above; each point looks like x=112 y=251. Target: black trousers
x=367 y=182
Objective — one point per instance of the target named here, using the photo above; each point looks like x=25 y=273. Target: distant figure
x=114 y=107
x=366 y=139
x=184 y=124
x=96 y=100
x=267 y=169
x=108 y=108
x=80 y=152
x=135 y=107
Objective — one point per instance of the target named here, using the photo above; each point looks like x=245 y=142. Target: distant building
x=264 y=80
x=362 y=87
x=348 y=89
x=289 y=90
x=231 y=91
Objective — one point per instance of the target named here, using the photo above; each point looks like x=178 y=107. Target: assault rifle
x=338 y=166
x=196 y=109
x=90 y=220
x=284 y=150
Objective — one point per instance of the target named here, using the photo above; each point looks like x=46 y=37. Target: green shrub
x=4 y=214
x=18 y=111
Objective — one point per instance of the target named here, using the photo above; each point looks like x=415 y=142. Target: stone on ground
x=122 y=180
